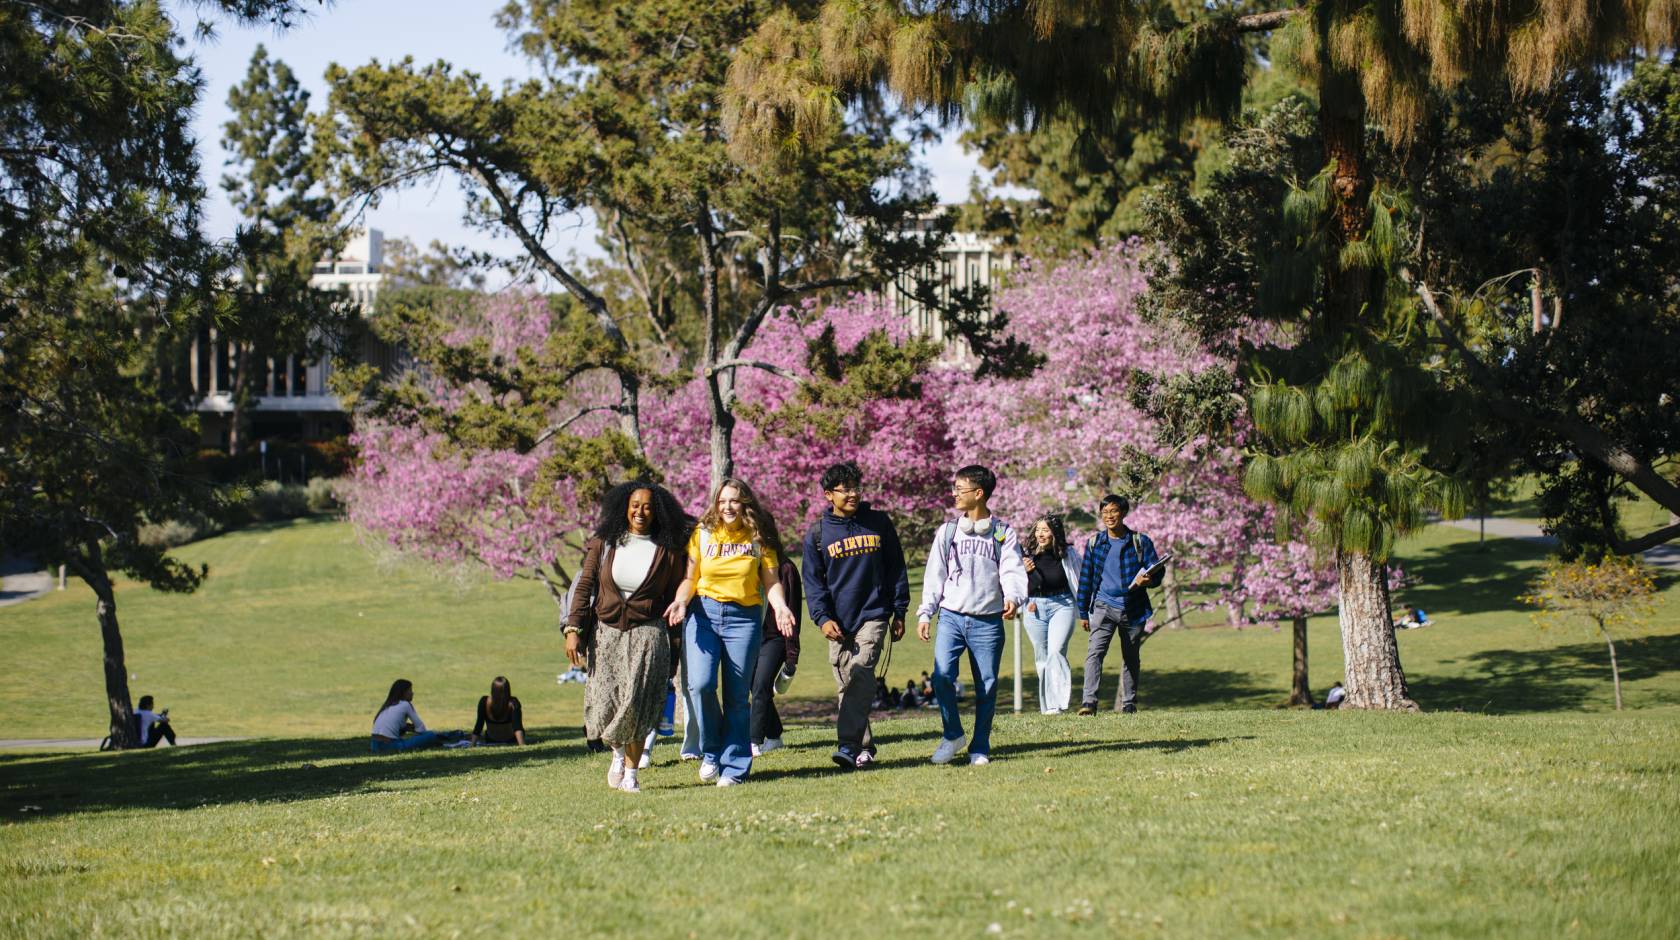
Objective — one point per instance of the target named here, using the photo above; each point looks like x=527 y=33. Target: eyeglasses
x=960 y=490
x=845 y=491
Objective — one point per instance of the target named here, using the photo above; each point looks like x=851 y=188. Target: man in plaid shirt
x=1114 y=598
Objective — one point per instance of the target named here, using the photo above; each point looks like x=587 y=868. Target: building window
x=349 y=269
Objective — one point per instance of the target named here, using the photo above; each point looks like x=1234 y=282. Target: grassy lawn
x=1535 y=812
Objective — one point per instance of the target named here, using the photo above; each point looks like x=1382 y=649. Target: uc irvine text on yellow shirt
x=730 y=565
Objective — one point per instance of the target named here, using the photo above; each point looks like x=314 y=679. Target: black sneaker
x=1087 y=709
x=1128 y=709
x=845 y=758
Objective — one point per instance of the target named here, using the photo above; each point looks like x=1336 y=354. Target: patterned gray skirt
x=626 y=689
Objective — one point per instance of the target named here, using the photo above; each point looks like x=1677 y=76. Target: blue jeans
x=1049 y=628
x=722 y=637
x=982 y=637
x=410 y=742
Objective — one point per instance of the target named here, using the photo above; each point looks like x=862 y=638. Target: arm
x=478 y=722
x=675 y=613
x=771 y=584
x=1148 y=559
x=518 y=723
x=933 y=584
x=793 y=585
x=414 y=716
x=1012 y=574
x=583 y=599
x=818 y=599
x=898 y=572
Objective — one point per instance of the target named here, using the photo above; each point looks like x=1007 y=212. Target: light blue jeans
x=1049 y=628
x=982 y=637
x=408 y=742
x=722 y=638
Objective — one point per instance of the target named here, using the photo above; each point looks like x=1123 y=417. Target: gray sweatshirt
x=973 y=574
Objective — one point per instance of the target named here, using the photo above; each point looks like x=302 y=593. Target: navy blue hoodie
x=854 y=569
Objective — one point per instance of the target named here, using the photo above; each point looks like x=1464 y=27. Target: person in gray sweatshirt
x=975 y=580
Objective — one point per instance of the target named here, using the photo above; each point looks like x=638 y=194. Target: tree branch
x=1265 y=22
x=544 y=437
x=753 y=364
x=1587 y=438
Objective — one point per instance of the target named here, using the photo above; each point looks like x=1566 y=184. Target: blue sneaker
x=845 y=758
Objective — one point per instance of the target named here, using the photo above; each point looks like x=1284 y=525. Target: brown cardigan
x=646 y=605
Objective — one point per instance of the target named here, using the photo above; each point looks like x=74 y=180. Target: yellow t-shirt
x=730 y=565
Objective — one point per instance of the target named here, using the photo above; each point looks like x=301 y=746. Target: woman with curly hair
x=733 y=558
x=632 y=569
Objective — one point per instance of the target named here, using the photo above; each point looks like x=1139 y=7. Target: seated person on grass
x=500 y=718
x=394 y=718
x=154 y=726
x=1413 y=618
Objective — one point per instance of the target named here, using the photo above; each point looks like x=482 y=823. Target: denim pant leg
x=948 y=647
x=1056 y=678
x=702 y=652
x=985 y=653
x=741 y=632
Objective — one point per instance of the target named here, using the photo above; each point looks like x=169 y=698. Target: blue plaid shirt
x=1133 y=558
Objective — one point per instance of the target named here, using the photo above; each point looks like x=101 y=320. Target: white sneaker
x=730 y=781
x=864 y=759
x=948 y=749
x=646 y=761
x=978 y=760
x=615 y=772
x=757 y=751
x=770 y=744
x=708 y=771
x=629 y=785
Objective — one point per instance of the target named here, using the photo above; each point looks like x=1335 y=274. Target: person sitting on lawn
x=500 y=718
x=154 y=726
x=395 y=717
x=1413 y=618
x=1336 y=696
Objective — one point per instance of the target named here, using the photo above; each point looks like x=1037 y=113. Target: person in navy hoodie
x=857 y=589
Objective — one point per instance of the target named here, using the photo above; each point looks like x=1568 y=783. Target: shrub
x=272 y=501
x=324 y=495
x=172 y=533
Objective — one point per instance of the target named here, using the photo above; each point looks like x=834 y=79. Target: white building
x=292 y=399
x=967 y=260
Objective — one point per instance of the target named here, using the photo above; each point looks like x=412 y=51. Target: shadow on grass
x=1003 y=751
x=274 y=770
x=1556 y=679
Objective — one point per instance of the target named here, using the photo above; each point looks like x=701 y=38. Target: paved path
x=19 y=582
x=78 y=744
x=1663 y=556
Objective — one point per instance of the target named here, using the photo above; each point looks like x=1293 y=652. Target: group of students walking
x=712 y=608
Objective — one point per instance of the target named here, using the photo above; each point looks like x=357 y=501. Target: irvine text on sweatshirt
x=973 y=573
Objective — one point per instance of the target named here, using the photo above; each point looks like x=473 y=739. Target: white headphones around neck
x=968 y=526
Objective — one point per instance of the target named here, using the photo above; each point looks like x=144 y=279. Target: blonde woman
x=1052 y=578
x=732 y=561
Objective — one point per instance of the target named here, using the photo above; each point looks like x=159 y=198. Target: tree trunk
x=720 y=384
x=241 y=355
x=1374 y=676
x=117 y=698
x=1175 y=599
x=1300 y=690
x=1615 y=671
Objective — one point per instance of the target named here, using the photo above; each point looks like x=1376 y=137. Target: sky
x=354 y=32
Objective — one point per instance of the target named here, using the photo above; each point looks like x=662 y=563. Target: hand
x=897 y=629
x=1028 y=562
x=1009 y=610
x=784 y=620
x=574 y=650
x=1085 y=625
x=1148 y=627
x=924 y=630
x=831 y=630
x=676 y=613
x=788 y=669
x=1032 y=608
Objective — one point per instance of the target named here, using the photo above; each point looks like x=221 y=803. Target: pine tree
x=1342 y=405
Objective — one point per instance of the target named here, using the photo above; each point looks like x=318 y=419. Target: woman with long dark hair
x=733 y=558
x=393 y=719
x=1052 y=578
x=501 y=719
x=632 y=568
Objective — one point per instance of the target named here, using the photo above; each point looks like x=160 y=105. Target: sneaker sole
x=841 y=762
